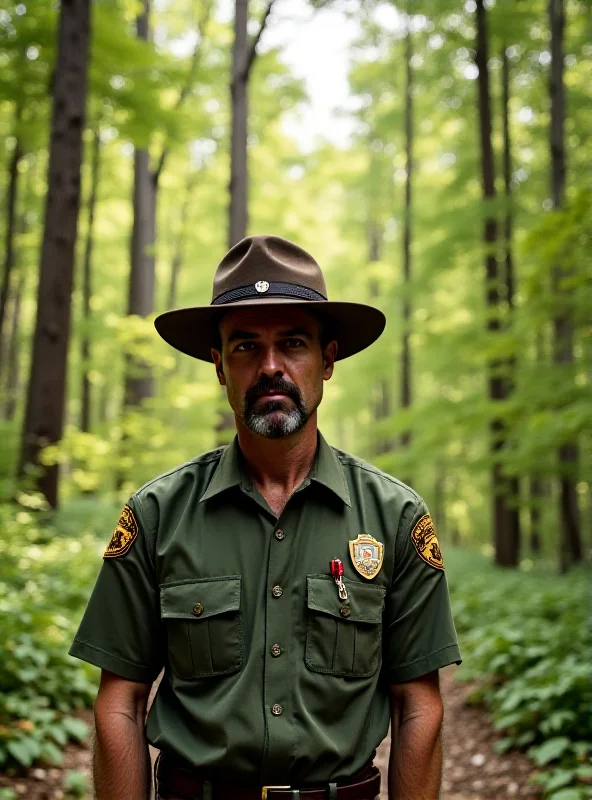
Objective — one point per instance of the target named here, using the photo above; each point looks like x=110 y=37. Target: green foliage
x=526 y=643
x=46 y=578
x=76 y=784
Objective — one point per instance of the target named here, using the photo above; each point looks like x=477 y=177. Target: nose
x=272 y=362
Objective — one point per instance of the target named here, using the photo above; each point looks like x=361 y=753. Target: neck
x=279 y=463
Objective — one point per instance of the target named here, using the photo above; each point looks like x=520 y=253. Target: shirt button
x=275 y=650
x=277 y=591
x=279 y=535
x=345 y=611
x=276 y=709
x=198 y=609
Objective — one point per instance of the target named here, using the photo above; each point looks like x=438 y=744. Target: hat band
x=275 y=288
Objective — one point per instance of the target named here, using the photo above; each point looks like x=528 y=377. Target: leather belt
x=174 y=781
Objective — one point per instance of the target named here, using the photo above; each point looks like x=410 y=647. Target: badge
x=425 y=542
x=261 y=286
x=366 y=554
x=123 y=536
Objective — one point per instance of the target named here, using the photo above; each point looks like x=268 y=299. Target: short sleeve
x=121 y=627
x=419 y=630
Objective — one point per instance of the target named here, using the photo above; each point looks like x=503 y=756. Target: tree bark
x=382 y=402
x=536 y=499
x=12 y=350
x=85 y=402
x=44 y=417
x=513 y=510
x=10 y=211
x=405 y=342
x=506 y=553
x=572 y=551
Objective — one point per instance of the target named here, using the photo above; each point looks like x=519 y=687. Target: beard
x=275 y=419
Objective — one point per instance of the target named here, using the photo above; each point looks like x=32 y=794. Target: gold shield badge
x=425 y=542
x=366 y=554
x=124 y=535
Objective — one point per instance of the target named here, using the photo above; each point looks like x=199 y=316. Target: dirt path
x=472 y=769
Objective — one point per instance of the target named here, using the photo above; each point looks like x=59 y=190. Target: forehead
x=269 y=321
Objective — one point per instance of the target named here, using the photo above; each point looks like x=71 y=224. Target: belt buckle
x=265 y=789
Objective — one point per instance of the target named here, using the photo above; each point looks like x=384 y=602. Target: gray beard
x=276 y=424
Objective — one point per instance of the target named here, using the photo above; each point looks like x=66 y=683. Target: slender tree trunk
x=11 y=205
x=536 y=498
x=513 y=510
x=506 y=553
x=405 y=343
x=139 y=382
x=180 y=241
x=439 y=500
x=44 y=417
x=239 y=90
x=382 y=402
x=568 y=455
x=85 y=402
x=12 y=350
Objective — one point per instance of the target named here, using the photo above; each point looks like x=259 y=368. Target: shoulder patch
x=124 y=535
x=425 y=542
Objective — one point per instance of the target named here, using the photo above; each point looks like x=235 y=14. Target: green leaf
x=549 y=751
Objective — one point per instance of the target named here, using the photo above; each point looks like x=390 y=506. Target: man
x=294 y=594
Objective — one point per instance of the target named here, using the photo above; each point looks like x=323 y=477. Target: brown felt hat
x=269 y=271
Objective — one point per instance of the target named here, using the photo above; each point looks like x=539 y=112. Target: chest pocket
x=348 y=646
x=204 y=626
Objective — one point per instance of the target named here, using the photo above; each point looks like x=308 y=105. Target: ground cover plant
x=47 y=572
x=526 y=643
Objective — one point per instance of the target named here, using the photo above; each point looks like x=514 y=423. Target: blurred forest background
x=140 y=141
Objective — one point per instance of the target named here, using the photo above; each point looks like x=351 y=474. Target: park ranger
x=293 y=595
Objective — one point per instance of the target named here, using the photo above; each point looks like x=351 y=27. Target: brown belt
x=174 y=781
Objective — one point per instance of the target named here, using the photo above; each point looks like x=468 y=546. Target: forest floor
x=472 y=768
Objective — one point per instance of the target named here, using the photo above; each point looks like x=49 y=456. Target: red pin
x=337 y=573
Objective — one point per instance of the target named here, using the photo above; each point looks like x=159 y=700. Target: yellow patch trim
x=366 y=554
x=426 y=543
x=124 y=535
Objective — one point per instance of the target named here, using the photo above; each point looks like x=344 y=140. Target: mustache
x=276 y=384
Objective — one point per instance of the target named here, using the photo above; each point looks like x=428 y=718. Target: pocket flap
x=366 y=601
x=212 y=595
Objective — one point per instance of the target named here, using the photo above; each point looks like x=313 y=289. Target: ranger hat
x=269 y=272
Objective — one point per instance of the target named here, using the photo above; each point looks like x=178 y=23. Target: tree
x=85 y=345
x=407 y=220
x=506 y=549
x=44 y=416
x=571 y=550
x=244 y=52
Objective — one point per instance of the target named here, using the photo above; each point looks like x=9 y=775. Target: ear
x=217 y=359
x=329 y=356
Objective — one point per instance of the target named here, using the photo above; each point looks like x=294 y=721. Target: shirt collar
x=327 y=470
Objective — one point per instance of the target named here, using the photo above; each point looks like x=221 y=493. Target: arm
x=121 y=761
x=415 y=765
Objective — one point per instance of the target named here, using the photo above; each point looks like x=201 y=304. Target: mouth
x=274 y=395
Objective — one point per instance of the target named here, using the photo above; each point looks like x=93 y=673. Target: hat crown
x=267 y=259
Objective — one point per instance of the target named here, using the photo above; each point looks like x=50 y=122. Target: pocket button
x=345 y=611
x=198 y=609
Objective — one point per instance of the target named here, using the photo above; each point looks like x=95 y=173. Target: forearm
x=415 y=767
x=121 y=760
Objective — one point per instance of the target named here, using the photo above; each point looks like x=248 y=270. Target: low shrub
x=526 y=643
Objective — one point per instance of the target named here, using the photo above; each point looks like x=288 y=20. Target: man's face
x=273 y=367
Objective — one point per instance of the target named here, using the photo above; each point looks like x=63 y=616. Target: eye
x=294 y=343
x=243 y=347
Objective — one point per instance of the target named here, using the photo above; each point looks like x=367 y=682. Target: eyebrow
x=238 y=334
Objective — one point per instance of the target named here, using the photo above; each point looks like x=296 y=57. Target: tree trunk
x=139 y=382
x=405 y=343
x=564 y=332
x=44 y=417
x=239 y=88
x=85 y=401
x=513 y=511
x=12 y=350
x=10 y=211
x=439 y=500
x=506 y=553
x=536 y=499
x=382 y=402
x=180 y=240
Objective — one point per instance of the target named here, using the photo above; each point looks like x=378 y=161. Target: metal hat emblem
x=262 y=286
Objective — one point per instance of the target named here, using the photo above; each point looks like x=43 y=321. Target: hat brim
x=355 y=326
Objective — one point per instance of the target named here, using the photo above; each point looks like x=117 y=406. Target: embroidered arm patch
x=124 y=535
x=425 y=542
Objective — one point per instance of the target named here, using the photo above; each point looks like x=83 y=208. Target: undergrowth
x=525 y=639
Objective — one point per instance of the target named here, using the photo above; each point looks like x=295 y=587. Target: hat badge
x=261 y=286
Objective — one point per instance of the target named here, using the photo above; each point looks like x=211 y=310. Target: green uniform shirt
x=269 y=677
